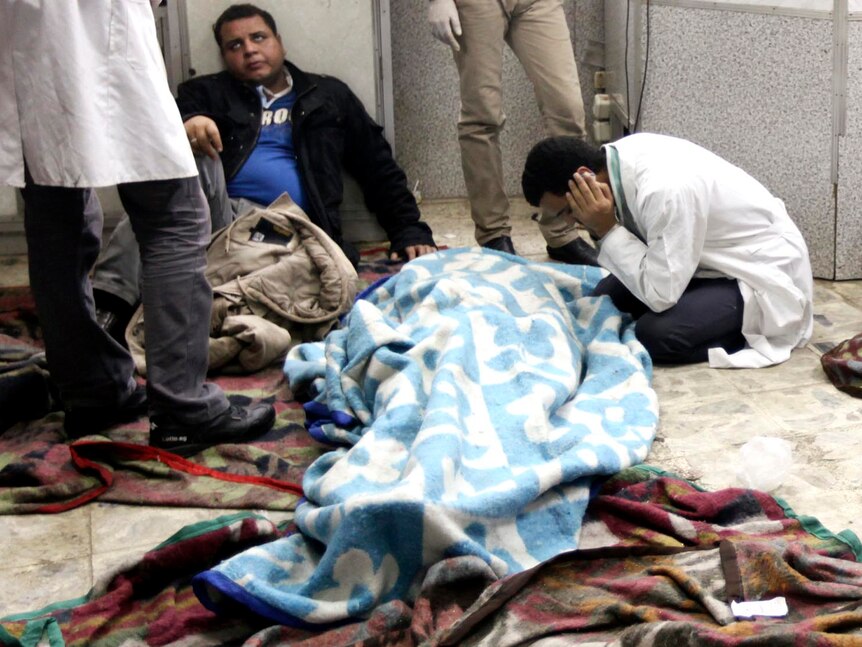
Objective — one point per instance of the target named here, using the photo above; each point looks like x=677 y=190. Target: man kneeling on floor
x=264 y=127
x=702 y=256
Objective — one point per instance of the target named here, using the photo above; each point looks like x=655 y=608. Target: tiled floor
x=706 y=416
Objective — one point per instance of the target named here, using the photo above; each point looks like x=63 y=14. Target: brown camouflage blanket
x=660 y=564
x=41 y=473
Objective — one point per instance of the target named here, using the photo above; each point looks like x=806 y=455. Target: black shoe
x=501 y=244
x=236 y=425
x=575 y=252
x=113 y=315
x=83 y=421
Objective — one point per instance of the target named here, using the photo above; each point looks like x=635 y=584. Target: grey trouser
x=707 y=315
x=170 y=220
x=118 y=269
x=537 y=33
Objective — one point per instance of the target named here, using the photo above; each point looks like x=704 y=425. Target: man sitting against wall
x=699 y=252
x=263 y=127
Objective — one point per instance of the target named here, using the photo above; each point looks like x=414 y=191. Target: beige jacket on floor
x=278 y=280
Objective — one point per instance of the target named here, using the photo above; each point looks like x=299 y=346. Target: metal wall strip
x=840 y=55
x=383 y=83
x=176 y=44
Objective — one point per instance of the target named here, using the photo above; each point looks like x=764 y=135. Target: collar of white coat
x=267 y=98
x=622 y=184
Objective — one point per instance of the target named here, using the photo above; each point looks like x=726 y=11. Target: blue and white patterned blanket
x=475 y=396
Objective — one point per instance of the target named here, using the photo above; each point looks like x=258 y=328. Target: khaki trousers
x=537 y=33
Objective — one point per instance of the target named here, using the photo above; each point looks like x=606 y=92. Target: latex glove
x=445 y=23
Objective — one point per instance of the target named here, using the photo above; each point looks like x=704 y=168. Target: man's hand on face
x=592 y=203
x=445 y=23
x=204 y=136
x=411 y=252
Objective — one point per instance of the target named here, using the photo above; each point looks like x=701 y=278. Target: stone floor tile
x=835 y=321
x=836 y=508
x=687 y=384
x=39 y=538
x=30 y=588
x=849 y=290
x=802 y=369
x=694 y=426
x=826 y=292
x=814 y=408
x=105 y=565
x=452 y=226
x=121 y=527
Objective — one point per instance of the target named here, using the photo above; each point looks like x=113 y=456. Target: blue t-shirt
x=272 y=167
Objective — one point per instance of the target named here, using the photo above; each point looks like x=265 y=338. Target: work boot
x=82 y=421
x=236 y=425
x=501 y=244
x=575 y=252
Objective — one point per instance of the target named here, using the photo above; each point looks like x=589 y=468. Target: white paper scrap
x=774 y=608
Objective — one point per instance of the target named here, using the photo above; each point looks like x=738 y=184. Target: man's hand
x=203 y=135
x=592 y=203
x=445 y=23
x=411 y=252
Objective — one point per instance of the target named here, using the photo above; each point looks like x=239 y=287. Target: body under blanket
x=476 y=395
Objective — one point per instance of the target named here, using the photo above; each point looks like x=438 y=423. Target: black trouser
x=707 y=315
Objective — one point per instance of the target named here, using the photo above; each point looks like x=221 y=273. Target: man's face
x=251 y=52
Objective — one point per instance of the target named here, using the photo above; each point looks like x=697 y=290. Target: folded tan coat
x=278 y=280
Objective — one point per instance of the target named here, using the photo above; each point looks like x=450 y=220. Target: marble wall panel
x=757 y=90
x=848 y=241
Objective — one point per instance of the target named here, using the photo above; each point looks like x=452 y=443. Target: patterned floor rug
x=41 y=472
x=662 y=564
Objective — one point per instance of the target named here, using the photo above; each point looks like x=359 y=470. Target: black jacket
x=331 y=130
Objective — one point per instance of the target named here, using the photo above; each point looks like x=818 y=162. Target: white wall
x=735 y=82
x=328 y=36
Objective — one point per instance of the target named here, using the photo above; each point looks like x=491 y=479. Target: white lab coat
x=84 y=95
x=701 y=216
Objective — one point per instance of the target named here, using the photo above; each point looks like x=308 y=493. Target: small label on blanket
x=774 y=608
x=266 y=231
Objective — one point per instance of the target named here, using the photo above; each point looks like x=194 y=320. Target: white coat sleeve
x=657 y=272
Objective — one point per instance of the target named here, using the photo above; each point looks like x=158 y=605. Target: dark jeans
x=171 y=223
x=707 y=315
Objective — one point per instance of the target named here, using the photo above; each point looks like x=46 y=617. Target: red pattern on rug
x=661 y=563
x=41 y=473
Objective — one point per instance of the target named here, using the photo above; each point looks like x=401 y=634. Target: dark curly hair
x=238 y=12
x=552 y=162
